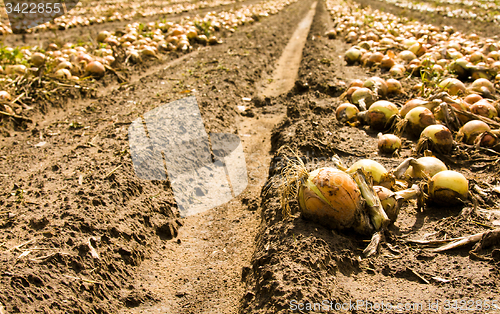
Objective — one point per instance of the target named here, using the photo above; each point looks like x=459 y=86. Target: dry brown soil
x=80 y=233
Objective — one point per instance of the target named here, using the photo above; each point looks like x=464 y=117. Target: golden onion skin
x=440 y=136
x=426 y=166
x=448 y=188
x=331 y=198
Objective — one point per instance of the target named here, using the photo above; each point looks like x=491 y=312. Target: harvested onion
x=363 y=97
x=448 y=188
x=379 y=114
x=331 y=197
x=484 y=108
x=420 y=168
x=440 y=136
x=346 y=112
x=472 y=129
x=95 y=68
x=452 y=86
x=377 y=171
x=418 y=119
x=388 y=143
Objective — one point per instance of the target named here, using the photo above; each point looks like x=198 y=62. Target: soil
x=81 y=233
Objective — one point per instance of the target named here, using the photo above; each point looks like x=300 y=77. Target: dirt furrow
x=96 y=235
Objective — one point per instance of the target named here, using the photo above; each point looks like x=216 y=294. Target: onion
x=377 y=171
x=440 y=136
x=377 y=85
x=352 y=55
x=63 y=74
x=346 y=112
x=424 y=167
x=452 y=86
x=398 y=70
x=472 y=98
x=387 y=63
x=413 y=103
x=483 y=86
x=418 y=119
x=388 y=143
x=472 y=129
x=363 y=97
x=418 y=49
x=484 y=108
x=406 y=56
x=374 y=58
x=18 y=69
x=102 y=36
x=95 y=68
x=4 y=95
x=202 y=39
x=379 y=114
x=37 y=59
x=212 y=40
x=394 y=86
x=330 y=197
x=331 y=34
x=356 y=83
x=448 y=188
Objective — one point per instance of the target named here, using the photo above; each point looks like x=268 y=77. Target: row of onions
x=387 y=42
x=468 y=10
x=447 y=115
x=90 y=13
x=72 y=62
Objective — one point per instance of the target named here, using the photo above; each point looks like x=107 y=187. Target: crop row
x=44 y=68
x=469 y=10
x=89 y=13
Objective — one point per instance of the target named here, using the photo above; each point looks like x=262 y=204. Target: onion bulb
x=394 y=86
x=356 y=83
x=95 y=68
x=472 y=98
x=346 y=112
x=388 y=143
x=363 y=97
x=352 y=55
x=102 y=36
x=37 y=59
x=387 y=63
x=379 y=114
x=331 y=197
x=416 y=102
x=331 y=34
x=448 y=188
x=63 y=74
x=482 y=86
x=440 y=136
x=375 y=169
x=418 y=119
x=472 y=129
x=484 y=108
x=377 y=85
x=424 y=167
x=18 y=69
x=398 y=70
x=4 y=95
x=452 y=86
